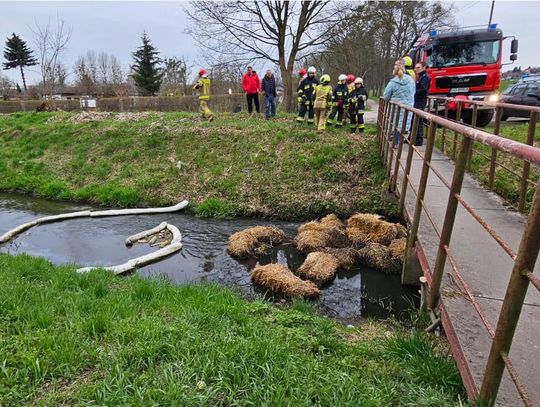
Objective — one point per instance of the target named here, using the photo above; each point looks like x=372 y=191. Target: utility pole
x=491 y=12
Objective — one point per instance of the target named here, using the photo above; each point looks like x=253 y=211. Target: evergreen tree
x=18 y=55
x=147 y=74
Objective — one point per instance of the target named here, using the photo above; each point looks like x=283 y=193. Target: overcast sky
x=116 y=27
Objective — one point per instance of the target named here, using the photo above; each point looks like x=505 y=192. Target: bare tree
x=280 y=32
x=51 y=41
x=175 y=76
x=98 y=73
x=6 y=87
x=375 y=35
x=227 y=75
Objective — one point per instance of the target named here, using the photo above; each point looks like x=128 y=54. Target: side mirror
x=513 y=57
x=514 y=46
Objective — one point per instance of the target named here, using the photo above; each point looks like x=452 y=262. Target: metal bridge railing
x=441 y=104
x=525 y=258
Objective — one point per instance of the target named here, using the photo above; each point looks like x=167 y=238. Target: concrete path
x=371 y=115
x=486 y=269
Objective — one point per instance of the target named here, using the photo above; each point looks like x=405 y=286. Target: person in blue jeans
x=268 y=88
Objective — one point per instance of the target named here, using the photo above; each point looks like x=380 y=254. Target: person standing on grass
x=357 y=105
x=306 y=95
x=423 y=82
x=269 y=91
x=252 y=86
x=339 y=101
x=203 y=87
x=322 y=101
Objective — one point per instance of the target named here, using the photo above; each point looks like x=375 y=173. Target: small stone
x=179 y=164
x=350 y=326
x=201 y=385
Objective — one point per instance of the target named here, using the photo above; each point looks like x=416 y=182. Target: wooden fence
x=219 y=103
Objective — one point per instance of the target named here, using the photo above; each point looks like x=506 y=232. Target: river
x=362 y=292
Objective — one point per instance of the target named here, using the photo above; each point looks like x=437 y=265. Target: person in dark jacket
x=339 y=100
x=423 y=82
x=357 y=105
x=306 y=96
x=269 y=90
x=252 y=86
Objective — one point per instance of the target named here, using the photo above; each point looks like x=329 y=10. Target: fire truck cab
x=466 y=63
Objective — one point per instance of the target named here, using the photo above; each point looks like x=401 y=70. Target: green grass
x=505 y=83
x=96 y=339
x=233 y=166
x=506 y=184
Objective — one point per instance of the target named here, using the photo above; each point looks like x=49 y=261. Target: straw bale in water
x=319 y=267
x=332 y=221
x=397 y=248
x=329 y=232
x=254 y=241
x=364 y=228
x=346 y=256
x=379 y=257
x=280 y=279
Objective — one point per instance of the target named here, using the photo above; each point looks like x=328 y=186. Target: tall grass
x=95 y=339
x=236 y=165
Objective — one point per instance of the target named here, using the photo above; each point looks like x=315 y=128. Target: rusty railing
x=389 y=121
x=441 y=104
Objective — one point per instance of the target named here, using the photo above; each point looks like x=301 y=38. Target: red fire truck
x=465 y=63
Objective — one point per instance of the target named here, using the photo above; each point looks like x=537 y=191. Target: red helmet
x=202 y=72
x=302 y=72
x=350 y=78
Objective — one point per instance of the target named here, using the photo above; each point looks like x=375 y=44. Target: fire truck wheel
x=484 y=118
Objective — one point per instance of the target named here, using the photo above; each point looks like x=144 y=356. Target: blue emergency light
x=433 y=33
x=492 y=26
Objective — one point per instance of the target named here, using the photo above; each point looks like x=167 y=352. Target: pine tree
x=18 y=55
x=147 y=74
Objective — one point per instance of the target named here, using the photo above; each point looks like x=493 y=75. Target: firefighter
x=302 y=75
x=323 y=99
x=409 y=67
x=203 y=86
x=339 y=101
x=306 y=96
x=357 y=105
x=350 y=83
x=350 y=88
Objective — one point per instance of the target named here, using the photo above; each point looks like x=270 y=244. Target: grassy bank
x=506 y=184
x=235 y=165
x=95 y=339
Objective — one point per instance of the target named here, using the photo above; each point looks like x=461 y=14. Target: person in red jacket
x=252 y=86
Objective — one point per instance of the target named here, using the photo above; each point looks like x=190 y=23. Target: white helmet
x=342 y=77
x=311 y=69
x=359 y=80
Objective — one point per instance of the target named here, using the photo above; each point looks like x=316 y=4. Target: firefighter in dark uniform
x=339 y=101
x=357 y=105
x=306 y=96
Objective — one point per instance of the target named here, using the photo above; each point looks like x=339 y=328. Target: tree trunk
x=23 y=78
x=288 y=96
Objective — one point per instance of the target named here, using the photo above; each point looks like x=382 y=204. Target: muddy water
x=100 y=241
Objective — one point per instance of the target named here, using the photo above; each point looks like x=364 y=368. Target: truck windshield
x=463 y=53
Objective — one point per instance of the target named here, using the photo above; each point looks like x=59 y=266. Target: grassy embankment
x=505 y=183
x=95 y=339
x=233 y=166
